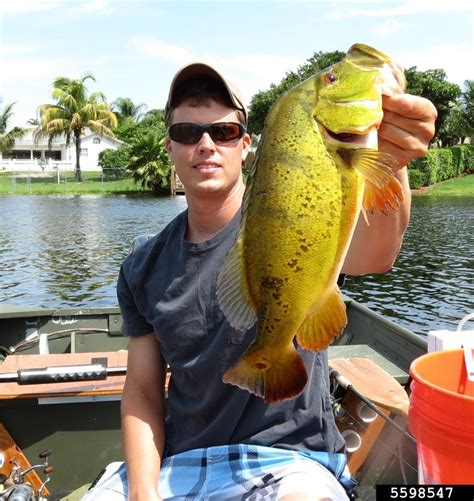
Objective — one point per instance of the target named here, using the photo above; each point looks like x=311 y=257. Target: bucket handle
x=468 y=317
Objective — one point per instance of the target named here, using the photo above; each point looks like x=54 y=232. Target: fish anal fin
x=324 y=323
x=233 y=295
x=276 y=376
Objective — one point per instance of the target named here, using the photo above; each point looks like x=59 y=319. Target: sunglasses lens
x=185 y=133
x=225 y=132
x=188 y=133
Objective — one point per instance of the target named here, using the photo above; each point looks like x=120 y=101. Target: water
x=66 y=251
x=431 y=286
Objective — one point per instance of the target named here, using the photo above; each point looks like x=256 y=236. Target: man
x=218 y=441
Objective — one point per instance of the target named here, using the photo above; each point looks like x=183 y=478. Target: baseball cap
x=195 y=70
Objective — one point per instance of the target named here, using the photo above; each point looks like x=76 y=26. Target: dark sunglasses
x=220 y=132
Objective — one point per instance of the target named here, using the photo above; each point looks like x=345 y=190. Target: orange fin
x=273 y=376
x=391 y=195
x=324 y=323
x=382 y=188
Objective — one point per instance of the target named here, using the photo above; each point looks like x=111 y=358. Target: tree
x=149 y=161
x=432 y=84
x=73 y=112
x=466 y=103
x=262 y=101
x=7 y=139
x=125 y=109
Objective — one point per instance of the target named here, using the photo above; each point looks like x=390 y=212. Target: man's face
x=207 y=168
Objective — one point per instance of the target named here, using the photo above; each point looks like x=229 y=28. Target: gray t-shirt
x=168 y=286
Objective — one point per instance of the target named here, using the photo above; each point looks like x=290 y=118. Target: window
x=96 y=140
x=84 y=152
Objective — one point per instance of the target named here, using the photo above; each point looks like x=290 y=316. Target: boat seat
x=112 y=385
x=365 y=351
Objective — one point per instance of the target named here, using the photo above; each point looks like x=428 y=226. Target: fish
x=316 y=167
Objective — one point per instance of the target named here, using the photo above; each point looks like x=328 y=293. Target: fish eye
x=329 y=78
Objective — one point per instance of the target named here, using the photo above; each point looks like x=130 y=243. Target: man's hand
x=407 y=128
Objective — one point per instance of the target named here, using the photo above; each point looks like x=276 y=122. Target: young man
x=214 y=440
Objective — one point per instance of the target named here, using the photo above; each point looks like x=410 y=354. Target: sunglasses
x=220 y=132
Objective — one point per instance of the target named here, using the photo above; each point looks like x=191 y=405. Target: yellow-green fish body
x=299 y=214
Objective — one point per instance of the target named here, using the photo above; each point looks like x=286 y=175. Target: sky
x=134 y=47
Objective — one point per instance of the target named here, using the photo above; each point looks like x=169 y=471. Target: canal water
x=66 y=251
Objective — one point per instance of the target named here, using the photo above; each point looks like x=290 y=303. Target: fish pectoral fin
x=390 y=195
x=324 y=323
x=273 y=376
x=233 y=295
x=382 y=189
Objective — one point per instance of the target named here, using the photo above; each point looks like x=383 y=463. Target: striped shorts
x=237 y=472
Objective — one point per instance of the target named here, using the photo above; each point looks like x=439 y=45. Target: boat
x=62 y=373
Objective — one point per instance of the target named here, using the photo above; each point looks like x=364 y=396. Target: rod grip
x=62 y=374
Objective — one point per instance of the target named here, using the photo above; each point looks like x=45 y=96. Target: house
x=30 y=155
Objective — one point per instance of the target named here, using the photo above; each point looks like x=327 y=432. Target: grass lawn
x=460 y=186
x=93 y=183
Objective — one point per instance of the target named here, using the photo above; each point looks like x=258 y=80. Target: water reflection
x=66 y=251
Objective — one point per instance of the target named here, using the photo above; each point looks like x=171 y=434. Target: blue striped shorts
x=238 y=472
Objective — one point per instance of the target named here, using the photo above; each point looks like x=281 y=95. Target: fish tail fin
x=324 y=323
x=272 y=376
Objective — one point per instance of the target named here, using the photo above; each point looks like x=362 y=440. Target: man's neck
x=207 y=216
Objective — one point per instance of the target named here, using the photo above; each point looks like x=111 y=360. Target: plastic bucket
x=441 y=417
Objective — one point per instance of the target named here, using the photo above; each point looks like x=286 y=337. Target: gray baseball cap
x=194 y=70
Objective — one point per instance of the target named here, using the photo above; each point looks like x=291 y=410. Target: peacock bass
x=316 y=166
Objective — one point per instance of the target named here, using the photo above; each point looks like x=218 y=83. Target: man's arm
x=406 y=131
x=143 y=417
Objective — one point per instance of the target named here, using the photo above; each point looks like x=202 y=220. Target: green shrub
x=458 y=159
x=416 y=178
x=440 y=164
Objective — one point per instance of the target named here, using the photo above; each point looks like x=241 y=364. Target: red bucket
x=441 y=417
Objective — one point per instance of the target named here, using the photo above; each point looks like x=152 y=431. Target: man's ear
x=247 y=142
x=168 y=145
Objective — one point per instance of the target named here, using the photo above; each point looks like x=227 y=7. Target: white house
x=28 y=155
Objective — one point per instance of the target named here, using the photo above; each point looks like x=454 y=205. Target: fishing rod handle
x=62 y=374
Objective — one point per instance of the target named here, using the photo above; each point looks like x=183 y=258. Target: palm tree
x=7 y=139
x=73 y=112
x=149 y=161
x=125 y=109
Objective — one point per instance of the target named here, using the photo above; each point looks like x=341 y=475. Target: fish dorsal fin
x=382 y=189
x=233 y=294
x=324 y=323
x=252 y=171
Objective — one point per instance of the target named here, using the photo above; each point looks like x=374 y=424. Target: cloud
x=388 y=28
x=403 y=8
x=453 y=58
x=64 y=7
x=28 y=6
x=11 y=49
x=252 y=71
x=157 y=49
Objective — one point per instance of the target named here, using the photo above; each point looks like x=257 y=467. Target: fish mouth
x=364 y=138
x=347 y=137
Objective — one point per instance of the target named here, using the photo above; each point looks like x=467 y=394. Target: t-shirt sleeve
x=134 y=323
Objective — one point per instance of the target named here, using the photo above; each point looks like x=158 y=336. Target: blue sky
x=134 y=47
